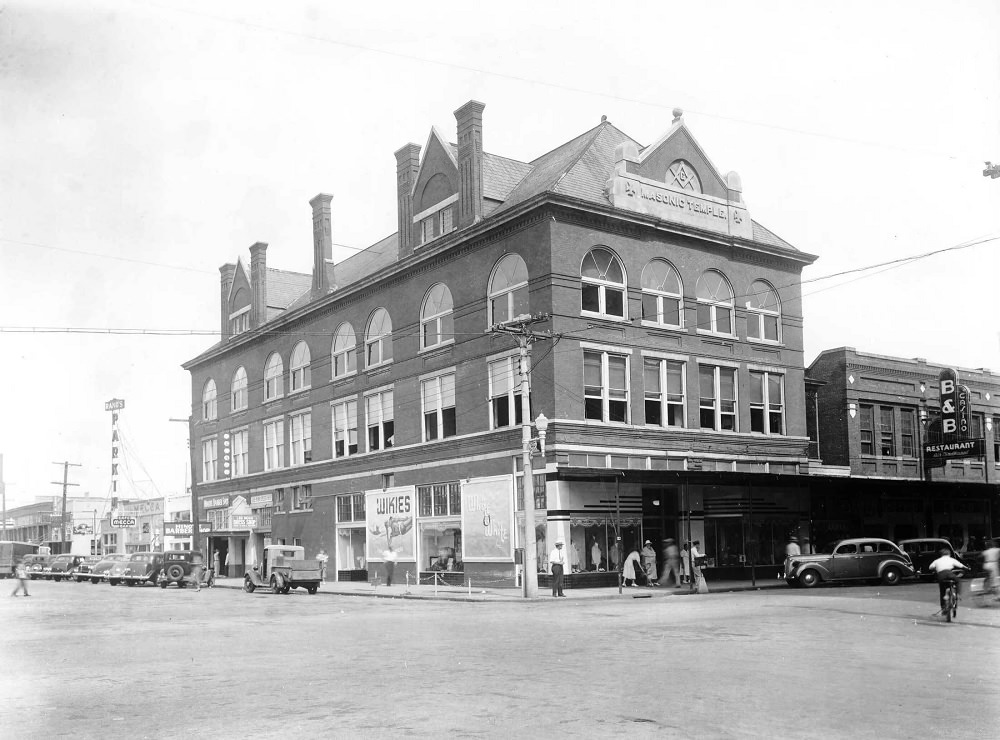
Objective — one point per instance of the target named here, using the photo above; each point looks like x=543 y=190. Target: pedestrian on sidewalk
x=631 y=569
x=649 y=562
x=21 y=573
x=557 y=563
x=686 y=562
x=792 y=548
x=390 y=557
x=323 y=559
x=696 y=562
x=671 y=563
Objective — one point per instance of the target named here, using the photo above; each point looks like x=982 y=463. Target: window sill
x=381 y=368
x=299 y=391
x=275 y=399
x=717 y=335
x=663 y=327
x=766 y=343
x=238 y=412
x=344 y=378
x=606 y=317
x=442 y=348
x=300 y=511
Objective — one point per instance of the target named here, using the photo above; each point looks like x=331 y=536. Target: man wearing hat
x=792 y=548
x=557 y=561
x=649 y=562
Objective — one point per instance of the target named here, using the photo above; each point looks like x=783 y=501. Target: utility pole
x=65 y=484
x=3 y=494
x=519 y=328
x=195 y=533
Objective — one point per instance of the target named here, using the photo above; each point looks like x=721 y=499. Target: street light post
x=195 y=533
x=528 y=484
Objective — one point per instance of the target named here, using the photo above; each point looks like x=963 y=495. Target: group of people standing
x=679 y=566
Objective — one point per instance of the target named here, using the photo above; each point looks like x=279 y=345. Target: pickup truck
x=282 y=568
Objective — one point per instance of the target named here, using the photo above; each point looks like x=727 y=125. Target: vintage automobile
x=282 y=568
x=36 y=565
x=99 y=572
x=141 y=567
x=925 y=551
x=86 y=567
x=861 y=559
x=61 y=566
x=179 y=567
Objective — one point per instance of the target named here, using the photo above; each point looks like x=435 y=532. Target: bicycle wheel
x=954 y=602
x=947 y=605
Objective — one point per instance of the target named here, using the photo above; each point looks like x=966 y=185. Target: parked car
x=86 y=567
x=924 y=551
x=100 y=571
x=36 y=565
x=141 y=567
x=282 y=568
x=61 y=566
x=861 y=559
x=178 y=567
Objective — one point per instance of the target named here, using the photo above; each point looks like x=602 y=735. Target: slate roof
x=579 y=169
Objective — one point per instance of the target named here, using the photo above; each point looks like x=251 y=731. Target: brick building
x=368 y=404
x=874 y=414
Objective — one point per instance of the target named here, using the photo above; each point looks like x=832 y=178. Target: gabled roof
x=500 y=174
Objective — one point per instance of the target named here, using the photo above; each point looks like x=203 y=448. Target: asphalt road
x=88 y=661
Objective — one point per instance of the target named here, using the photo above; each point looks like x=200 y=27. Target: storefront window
x=351 y=548
x=441 y=545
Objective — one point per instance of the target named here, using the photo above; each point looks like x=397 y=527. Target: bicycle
x=950 y=598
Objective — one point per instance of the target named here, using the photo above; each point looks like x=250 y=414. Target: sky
x=145 y=144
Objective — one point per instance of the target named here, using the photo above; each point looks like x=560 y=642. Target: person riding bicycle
x=945 y=567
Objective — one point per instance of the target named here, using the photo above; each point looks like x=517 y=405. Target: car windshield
x=829 y=548
x=142 y=557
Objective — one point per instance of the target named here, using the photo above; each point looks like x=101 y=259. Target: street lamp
x=542 y=425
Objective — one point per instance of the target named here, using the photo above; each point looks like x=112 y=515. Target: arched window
x=436 y=320
x=345 y=351
x=273 y=387
x=603 y=290
x=378 y=339
x=301 y=376
x=239 y=390
x=508 y=296
x=715 y=303
x=763 y=313
x=209 y=407
x=662 y=295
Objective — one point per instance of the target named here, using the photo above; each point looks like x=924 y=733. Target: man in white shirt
x=991 y=562
x=945 y=566
x=557 y=562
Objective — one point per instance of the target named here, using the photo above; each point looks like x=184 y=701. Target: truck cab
x=282 y=568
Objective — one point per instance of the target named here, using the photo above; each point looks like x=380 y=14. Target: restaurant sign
x=953 y=450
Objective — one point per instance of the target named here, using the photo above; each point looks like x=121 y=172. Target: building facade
x=41 y=523
x=374 y=405
x=875 y=415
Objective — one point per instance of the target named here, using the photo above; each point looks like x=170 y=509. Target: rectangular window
x=907 y=432
x=664 y=389
x=345 y=428
x=505 y=392
x=975 y=426
x=605 y=386
x=538 y=482
x=209 y=460
x=274 y=444
x=996 y=440
x=241 y=452
x=301 y=497
x=279 y=499
x=767 y=408
x=239 y=323
x=440 y=499
x=388 y=480
x=379 y=420
x=717 y=403
x=438 y=397
x=886 y=435
x=351 y=507
x=867 y=425
x=447 y=219
x=300 y=436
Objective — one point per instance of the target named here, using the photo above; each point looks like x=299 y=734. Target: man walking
x=323 y=559
x=390 y=557
x=21 y=573
x=557 y=561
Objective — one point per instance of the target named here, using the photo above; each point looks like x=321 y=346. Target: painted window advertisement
x=389 y=516
x=488 y=519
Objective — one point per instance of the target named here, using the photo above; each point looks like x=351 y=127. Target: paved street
x=96 y=661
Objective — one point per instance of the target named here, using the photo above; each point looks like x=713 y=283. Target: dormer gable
x=435 y=190
x=675 y=180
x=239 y=301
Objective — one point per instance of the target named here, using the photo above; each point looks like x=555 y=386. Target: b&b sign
x=955 y=400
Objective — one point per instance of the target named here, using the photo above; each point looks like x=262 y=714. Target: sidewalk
x=465 y=593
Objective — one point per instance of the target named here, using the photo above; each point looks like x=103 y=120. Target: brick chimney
x=322 y=244
x=258 y=284
x=470 y=162
x=407 y=166
x=228 y=274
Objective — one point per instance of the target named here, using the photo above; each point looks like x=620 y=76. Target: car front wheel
x=891 y=576
x=248 y=585
x=808 y=579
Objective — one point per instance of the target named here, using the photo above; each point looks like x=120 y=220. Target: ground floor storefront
x=472 y=529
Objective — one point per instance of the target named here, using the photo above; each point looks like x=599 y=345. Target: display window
x=351 y=548
x=441 y=545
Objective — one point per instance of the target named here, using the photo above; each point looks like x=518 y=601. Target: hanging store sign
x=123 y=522
x=954 y=450
x=955 y=402
x=217 y=502
x=488 y=519
x=389 y=516
x=261 y=499
x=243 y=521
